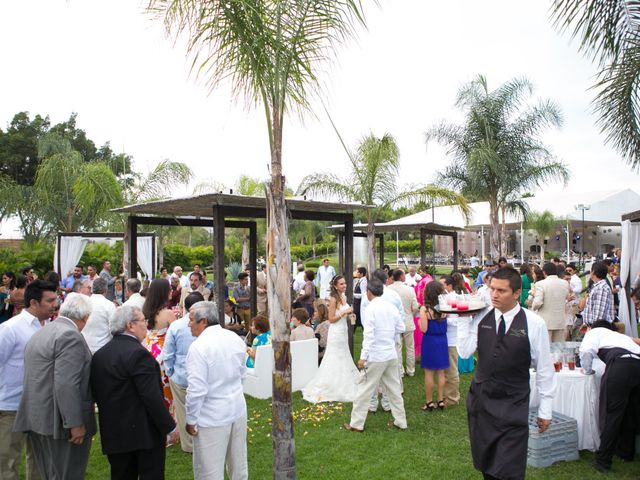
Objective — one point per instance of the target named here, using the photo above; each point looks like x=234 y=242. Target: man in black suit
x=125 y=381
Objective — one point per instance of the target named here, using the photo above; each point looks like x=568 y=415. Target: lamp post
x=582 y=207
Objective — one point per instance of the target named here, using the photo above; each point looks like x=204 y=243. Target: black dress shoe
x=601 y=468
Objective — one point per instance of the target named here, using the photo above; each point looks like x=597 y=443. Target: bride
x=337 y=376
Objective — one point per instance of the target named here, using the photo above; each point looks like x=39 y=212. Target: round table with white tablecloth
x=577 y=396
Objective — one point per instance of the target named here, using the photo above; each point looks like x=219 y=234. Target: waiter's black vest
x=503 y=365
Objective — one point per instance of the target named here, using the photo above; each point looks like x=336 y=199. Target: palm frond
x=609 y=32
x=602 y=26
x=209 y=185
x=544 y=223
x=268 y=50
x=618 y=104
x=161 y=179
x=430 y=195
x=326 y=186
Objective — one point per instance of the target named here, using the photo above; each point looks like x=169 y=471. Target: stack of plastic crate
x=558 y=443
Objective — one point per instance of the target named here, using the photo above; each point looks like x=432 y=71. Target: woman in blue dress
x=435 y=352
x=262 y=336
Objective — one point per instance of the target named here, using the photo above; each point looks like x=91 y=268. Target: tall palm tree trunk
x=279 y=302
x=495 y=231
x=371 y=244
x=503 y=233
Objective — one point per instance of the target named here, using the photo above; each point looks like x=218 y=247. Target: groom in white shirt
x=379 y=359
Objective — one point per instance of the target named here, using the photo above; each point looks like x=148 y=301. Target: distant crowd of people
x=163 y=367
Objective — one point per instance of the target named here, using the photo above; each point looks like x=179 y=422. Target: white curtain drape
x=629 y=268
x=145 y=255
x=69 y=251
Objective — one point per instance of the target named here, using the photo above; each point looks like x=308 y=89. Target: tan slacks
x=11 y=449
x=215 y=447
x=410 y=353
x=386 y=374
x=557 y=335
x=179 y=395
x=452 y=379
x=245 y=315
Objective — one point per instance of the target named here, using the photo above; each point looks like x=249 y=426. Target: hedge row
x=40 y=255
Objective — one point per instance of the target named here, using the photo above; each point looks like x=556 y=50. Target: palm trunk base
x=279 y=301
x=284 y=452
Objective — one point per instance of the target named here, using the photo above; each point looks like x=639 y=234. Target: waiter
x=619 y=390
x=509 y=340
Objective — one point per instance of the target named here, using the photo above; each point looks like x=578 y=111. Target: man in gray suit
x=56 y=410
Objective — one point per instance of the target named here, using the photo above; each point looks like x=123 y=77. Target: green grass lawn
x=436 y=445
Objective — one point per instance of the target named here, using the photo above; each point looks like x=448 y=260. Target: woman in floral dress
x=158 y=319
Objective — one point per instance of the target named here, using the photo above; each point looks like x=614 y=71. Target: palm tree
x=497 y=153
x=77 y=194
x=609 y=32
x=270 y=51
x=374 y=168
x=544 y=224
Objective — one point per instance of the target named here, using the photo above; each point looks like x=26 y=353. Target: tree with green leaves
x=19 y=147
x=609 y=33
x=371 y=180
x=77 y=194
x=270 y=51
x=544 y=224
x=497 y=151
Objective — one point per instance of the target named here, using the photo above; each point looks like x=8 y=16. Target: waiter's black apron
x=498 y=400
x=619 y=415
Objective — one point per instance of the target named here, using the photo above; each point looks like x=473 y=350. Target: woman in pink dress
x=419 y=288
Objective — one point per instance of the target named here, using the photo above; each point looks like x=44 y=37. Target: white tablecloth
x=577 y=396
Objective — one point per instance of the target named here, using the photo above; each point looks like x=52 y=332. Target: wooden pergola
x=425 y=230
x=222 y=211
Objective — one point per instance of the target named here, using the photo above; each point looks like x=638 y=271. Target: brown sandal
x=428 y=407
x=441 y=405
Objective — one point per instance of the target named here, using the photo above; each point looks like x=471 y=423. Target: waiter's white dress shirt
x=539 y=344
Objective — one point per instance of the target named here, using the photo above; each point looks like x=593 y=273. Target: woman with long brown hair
x=159 y=317
x=337 y=376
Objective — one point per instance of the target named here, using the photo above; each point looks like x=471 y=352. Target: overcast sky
x=130 y=84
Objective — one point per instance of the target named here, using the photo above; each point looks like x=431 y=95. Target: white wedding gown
x=337 y=376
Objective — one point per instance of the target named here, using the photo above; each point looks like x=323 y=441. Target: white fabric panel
x=70 y=251
x=145 y=255
x=629 y=268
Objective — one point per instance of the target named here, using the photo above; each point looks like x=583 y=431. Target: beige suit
x=206 y=293
x=411 y=308
x=549 y=302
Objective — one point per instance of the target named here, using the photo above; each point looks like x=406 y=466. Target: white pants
x=386 y=374
x=215 y=447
